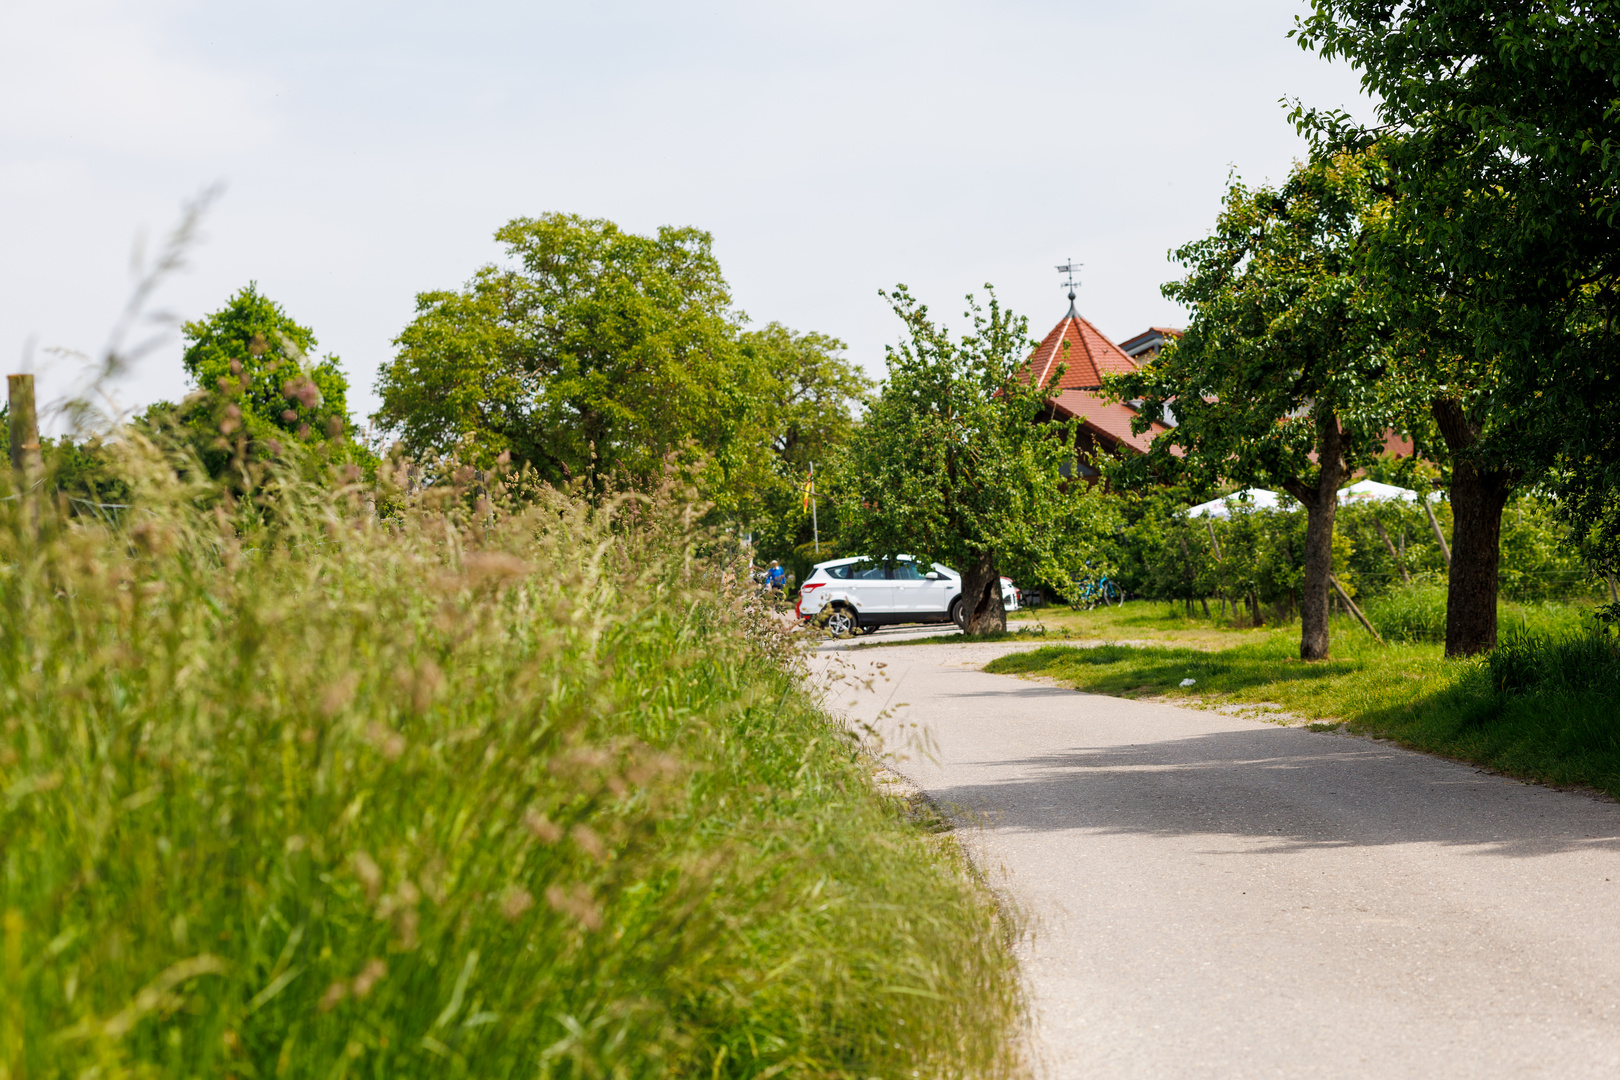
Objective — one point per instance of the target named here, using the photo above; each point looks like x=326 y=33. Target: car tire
x=840 y=621
x=959 y=614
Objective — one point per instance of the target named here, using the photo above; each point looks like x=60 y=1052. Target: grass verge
x=287 y=792
x=1562 y=732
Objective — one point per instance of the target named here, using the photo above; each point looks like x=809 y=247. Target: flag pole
x=815 y=525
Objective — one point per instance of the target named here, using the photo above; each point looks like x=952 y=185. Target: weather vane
x=1069 y=269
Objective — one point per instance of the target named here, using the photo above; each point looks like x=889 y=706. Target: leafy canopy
x=258 y=388
x=1284 y=343
x=595 y=352
x=1502 y=125
x=811 y=390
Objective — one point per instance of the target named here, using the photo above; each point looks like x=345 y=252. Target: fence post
x=26 y=460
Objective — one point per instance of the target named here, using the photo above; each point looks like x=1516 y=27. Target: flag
x=809 y=487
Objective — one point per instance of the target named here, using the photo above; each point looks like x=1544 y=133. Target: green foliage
x=1277 y=380
x=1499 y=122
x=951 y=465
x=598 y=354
x=527 y=793
x=1174 y=557
x=1417 y=612
x=809 y=393
x=259 y=388
x=1570 y=665
x=1283 y=344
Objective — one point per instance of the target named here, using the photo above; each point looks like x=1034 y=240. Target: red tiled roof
x=1111 y=419
x=1088 y=358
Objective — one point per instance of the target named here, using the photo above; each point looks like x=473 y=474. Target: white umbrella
x=1247 y=499
x=1372 y=491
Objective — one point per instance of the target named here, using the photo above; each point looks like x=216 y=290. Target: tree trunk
x=1476 y=552
x=1321 y=504
x=982 y=608
x=1477 y=499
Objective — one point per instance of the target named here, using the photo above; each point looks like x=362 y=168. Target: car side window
x=867 y=571
x=840 y=572
x=905 y=571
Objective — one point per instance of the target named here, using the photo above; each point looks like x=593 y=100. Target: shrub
x=473 y=790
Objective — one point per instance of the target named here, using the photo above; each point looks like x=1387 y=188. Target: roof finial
x=1069 y=269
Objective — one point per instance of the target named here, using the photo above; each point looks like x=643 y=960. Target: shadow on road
x=1297 y=788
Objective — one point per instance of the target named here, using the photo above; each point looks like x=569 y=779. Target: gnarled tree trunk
x=982 y=609
x=1477 y=498
x=1321 y=504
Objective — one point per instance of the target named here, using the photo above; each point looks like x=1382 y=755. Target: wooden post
x=1344 y=598
x=1445 y=548
x=26 y=460
x=1400 y=565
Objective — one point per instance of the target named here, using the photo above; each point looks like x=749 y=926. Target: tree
x=949 y=463
x=257 y=386
x=1275 y=381
x=600 y=353
x=1502 y=126
x=810 y=394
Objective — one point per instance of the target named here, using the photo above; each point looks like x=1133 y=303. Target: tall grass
x=1417 y=612
x=289 y=791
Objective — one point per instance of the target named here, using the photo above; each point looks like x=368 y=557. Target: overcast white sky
x=369 y=150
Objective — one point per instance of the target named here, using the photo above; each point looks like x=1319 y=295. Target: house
x=1145 y=346
x=1085 y=356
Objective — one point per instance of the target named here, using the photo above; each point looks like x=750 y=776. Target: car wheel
x=959 y=615
x=840 y=622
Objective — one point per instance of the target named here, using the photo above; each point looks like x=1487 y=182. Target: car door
x=909 y=584
x=935 y=596
x=870 y=589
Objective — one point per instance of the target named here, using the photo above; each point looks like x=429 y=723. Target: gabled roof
x=1088 y=358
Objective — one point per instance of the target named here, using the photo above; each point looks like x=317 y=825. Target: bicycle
x=1094 y=591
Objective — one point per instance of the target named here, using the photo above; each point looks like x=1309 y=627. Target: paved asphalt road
x=1212 y=896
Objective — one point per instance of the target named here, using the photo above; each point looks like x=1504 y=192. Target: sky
x=364 y=152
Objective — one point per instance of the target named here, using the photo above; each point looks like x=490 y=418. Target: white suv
x=859 y=595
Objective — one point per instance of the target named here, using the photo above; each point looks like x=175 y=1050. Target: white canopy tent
x=1372 y=491
x=1362 y=491
x=1247 y=499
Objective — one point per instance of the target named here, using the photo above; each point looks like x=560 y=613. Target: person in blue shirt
x=776 y=577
